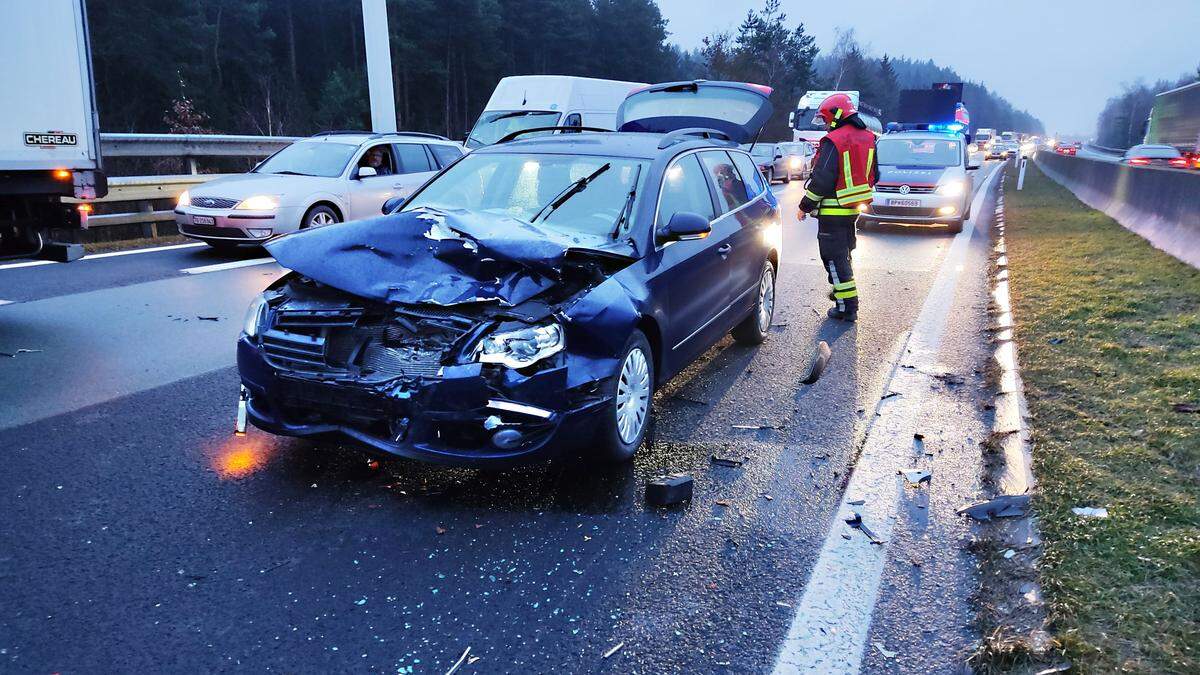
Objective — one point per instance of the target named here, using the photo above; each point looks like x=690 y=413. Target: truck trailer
x=1175 y=120
x=49 y=129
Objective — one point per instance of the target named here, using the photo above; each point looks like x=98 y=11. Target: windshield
x=793 y=148
x=309 y=158
x=526 y=185
x=806 y=119
x=919 y=152
x=761 y=150
x=496 y=124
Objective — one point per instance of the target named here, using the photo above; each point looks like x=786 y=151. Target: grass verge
x=129 y=244
x=1108 y=329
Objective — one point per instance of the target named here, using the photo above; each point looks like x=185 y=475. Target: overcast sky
x=1060 y=59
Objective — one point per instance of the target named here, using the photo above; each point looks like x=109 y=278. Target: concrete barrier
x=1162 y=205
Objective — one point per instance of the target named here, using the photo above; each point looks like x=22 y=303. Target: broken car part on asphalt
x=1004 y=506
x=820 y=359
x=668 y=490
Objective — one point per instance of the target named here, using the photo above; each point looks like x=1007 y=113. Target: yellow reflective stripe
x=846 y=170
x=837 y=113
x=860 y=189
x=870 y=159
x=812 y=195
x=844 y=286
x=836 y=211
x=845 y=294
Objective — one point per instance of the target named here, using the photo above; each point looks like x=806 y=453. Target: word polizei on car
x=530 y=297
x=328 y=178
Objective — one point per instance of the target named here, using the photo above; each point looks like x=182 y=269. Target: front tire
x=626 y=417
x=771 y=176
x=754 y=328
x=319 y=216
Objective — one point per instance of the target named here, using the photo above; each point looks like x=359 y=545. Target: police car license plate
x=204 y=220
x=904 y=202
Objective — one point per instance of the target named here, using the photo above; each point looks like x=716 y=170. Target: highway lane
x=142 y=533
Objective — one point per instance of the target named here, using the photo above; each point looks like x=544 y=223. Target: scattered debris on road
x=757 y=426
x=950 y=379
x=1186 y=407
x=820 y=359
x=887 y=654
x=727 y=461
x=1004 y=506
x=916 y=476
x=614 y=650
x=13 y=355
x=889 y=395
x=689 y=399
x=461 y=660
x=857 y=502
x=668 y=490
x=1057 y=340
x=440 y=530
x=1090 y=512
x=208 y=318
x=857 y=523
x=722 y=502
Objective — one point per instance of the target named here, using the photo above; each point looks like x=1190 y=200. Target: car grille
x=214 y=202
x=912 y=189
x=211 y=231
x=901 y=211
x=391 y=362
x=295 y=351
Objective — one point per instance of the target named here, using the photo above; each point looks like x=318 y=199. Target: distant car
x=997 y=149
x=923 y=180
x=1070 y=149
x=532 y=296
x=783 y=161
x=1154 y=155
x=328 y=178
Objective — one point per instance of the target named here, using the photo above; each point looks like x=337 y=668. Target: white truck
x=49 y=130
x=525 y=102
x=806 y=126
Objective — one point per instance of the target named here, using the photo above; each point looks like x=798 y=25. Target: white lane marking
x=153 y=249
x=28 y=263
x=829 y=631
x=5 y=302
x=220 y=267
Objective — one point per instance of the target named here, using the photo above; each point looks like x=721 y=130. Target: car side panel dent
x=597 y=327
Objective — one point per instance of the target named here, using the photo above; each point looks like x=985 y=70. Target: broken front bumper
x=465 y=416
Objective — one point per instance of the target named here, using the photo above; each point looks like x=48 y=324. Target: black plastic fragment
x=1004 y=506
x=820 y=359
x=667 y=490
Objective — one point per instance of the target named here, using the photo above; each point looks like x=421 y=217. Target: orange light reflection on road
x=240 y=456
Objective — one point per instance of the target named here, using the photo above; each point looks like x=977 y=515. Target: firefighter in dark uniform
x=843 y=178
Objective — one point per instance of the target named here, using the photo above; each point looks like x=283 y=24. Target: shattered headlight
x=256 y=314
x=521 y=348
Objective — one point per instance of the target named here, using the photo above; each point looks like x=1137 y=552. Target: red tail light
x=1179 y=161
x=1140 y=161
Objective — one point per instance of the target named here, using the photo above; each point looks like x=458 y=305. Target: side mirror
x=392 y=204
x=972 y=167
x=367 y=171
x=685 y=226
x=779 y=155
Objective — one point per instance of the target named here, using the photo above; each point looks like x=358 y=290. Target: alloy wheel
x=633 y=395
x=766 y=300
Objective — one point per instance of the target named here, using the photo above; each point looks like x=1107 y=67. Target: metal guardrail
x=142 y=190
x=191 y=146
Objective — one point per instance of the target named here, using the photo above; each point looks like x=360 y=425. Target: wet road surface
x=139 y=534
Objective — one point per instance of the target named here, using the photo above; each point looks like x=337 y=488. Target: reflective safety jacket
x=844 y=173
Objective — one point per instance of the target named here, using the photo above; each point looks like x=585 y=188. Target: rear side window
x=684 y=191
x=445 y=154
x=753 y=178
x=732 y=191
x=413 y=158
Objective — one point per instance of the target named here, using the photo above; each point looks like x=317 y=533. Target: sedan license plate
x=204 y=220
x=904 y=202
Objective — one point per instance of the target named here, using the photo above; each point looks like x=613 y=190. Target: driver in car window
x=376 y=160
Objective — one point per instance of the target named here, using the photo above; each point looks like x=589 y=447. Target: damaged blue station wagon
x=532 y=295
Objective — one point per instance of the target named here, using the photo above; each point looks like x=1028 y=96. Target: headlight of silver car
x=521 y=348
x=256 y=314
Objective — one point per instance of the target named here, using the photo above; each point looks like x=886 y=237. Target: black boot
x=835 y=313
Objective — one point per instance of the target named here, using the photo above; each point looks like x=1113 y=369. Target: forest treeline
x=294 y=67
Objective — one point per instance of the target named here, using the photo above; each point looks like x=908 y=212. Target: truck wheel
x=626 y=416
x=753 y=329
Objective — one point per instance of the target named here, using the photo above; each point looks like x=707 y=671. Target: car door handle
x=724 y=249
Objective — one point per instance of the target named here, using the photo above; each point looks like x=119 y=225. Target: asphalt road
x=139 y=534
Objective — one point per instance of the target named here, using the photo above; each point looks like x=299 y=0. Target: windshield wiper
x=502 y=116
x=627 y=206
x=569 y=191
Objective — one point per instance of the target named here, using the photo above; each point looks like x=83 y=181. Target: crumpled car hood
x=434 y=256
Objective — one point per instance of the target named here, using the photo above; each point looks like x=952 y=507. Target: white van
x=532 y=101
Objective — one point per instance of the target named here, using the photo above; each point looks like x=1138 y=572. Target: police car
x=923 y=180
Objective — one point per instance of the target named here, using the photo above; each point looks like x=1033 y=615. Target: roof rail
x=679 y=136
x=521 y=132
x=371 y=134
